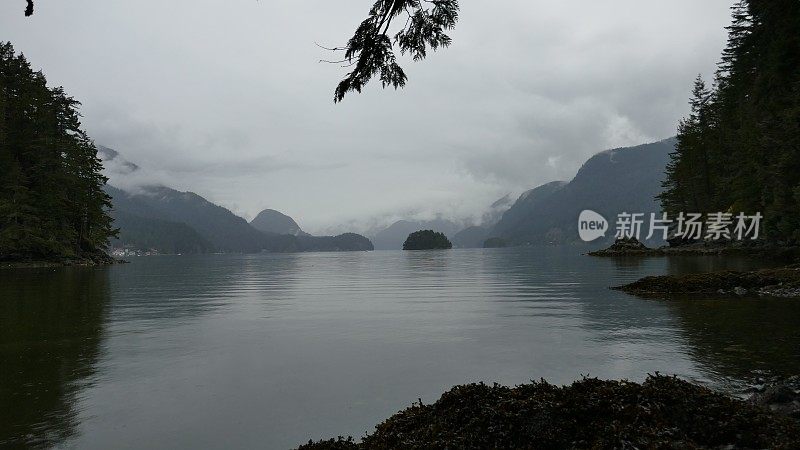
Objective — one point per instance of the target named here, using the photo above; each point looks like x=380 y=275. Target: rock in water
x=781 y=397
x=624 y=247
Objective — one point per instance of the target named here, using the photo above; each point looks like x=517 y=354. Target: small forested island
x=53 y=209
x=427 y=240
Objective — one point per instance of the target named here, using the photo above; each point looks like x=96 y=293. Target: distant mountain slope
x=183 y=222
x=150 y=233
x=271 y=221
x=226 y=231
x=470 y=237
x=613 y=181
x=346 y=242
x=393 y=236
x=496 y=211
x=114 y=163
x=474 y=235
x=521 y=214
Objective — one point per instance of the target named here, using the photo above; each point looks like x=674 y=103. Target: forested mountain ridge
x=610 y=182
x=157 y=213
x=153 y=216
x=225 y=231
x=52 y=203
x=146 y=233
x=271 y=221
x=739 y=149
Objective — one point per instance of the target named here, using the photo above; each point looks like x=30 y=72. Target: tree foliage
x=371 y=50
x=51 y=198
x=427 y=240
x=739 y=149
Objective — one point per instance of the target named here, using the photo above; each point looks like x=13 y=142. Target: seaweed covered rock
x=777 y=282
x=662 y=412
x=625 y=247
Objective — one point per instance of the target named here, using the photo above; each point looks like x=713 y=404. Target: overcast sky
x=228 y=99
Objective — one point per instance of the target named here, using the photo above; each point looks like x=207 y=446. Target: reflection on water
x=733 y=340
x=271 y=350
x=741 y=339
x=51 y=326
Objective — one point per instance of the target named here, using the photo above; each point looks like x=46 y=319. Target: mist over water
x=272 y=350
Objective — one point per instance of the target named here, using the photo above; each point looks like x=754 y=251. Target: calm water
x=267 y=351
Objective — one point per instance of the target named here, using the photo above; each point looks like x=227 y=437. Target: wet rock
x=759 y=249
x=781 y=397
x=779 y=282
x=624 y=247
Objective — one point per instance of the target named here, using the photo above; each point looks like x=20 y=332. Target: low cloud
x=235 y=106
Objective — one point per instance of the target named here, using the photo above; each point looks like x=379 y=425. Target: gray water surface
x=268 y=351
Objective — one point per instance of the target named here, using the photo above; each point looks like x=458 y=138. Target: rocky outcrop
x=780 y=397
x=662 y=412
x=624 y=247
x=778 y=282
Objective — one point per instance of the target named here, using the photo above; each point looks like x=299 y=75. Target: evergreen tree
x=427 y=240
x=739 y=150
x=688 y=185
x=52 y=203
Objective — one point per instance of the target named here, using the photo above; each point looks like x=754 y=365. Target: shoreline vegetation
x=661 y=412
x=92 y=261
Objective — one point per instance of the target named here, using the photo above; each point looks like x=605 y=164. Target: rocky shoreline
x=777 y=282
x=96 y=260
x=632 y=247
x=661 y=412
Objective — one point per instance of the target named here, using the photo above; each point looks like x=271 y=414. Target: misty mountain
x=183 y=222
x=271 y=221
x=150 y=217
x=470 y=237
x=496 y=211
x=393 y=236
x=226 y=231
x=114 y=163
x=613 y=181
x=474 y=235
x=518 y=216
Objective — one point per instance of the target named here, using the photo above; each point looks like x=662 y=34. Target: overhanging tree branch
x=371 y=49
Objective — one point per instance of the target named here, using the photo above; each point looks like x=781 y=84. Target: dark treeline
x=52 y=205
x=739 y=149
x=427 y=240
